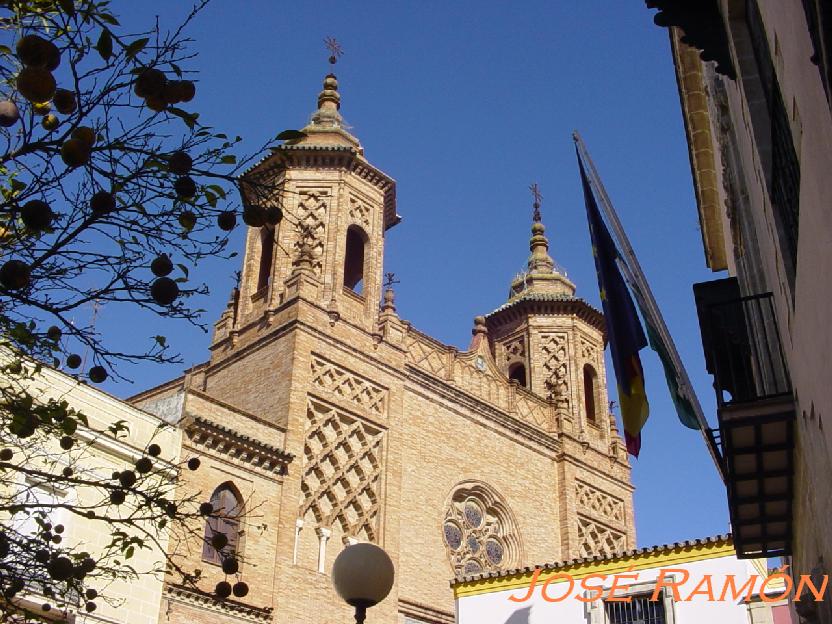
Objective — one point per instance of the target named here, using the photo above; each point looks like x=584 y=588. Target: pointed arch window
x=590 y=394
x=354 y=259
x=266 y=256
x=226 y=518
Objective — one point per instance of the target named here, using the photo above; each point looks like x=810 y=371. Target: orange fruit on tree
x=64 y=101
x=75 y=153
x=85 y=134
x=36 y=84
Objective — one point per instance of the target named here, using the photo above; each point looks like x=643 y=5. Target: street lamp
x=363 y=576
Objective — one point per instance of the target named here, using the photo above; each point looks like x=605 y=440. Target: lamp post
x=363 y=576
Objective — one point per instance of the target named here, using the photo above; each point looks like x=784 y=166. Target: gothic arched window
x=266 y=256
x=479 y=531
x=590 y=391
x=226 y=517
x=518 y=373
x=354 y=259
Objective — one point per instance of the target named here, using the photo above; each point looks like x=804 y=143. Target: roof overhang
x=317 y=156
x=544 y=305
x=701 y=148
x=758 y=445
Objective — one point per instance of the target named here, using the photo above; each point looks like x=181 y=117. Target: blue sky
x=465 y=104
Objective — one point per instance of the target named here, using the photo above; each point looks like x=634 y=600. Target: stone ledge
x=204 y=600
x=259 y=455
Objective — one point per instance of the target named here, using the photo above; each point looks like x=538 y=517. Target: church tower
x=335 y=208
x=551 y=343
x=323 y=419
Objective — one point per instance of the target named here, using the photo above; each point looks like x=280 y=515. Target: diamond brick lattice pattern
x=359 y=211
x=348 y=386
x=312 y=210
x=516 y=350
x=596 y=539
x=341 y=472
x=598 y=502
x=425 y=356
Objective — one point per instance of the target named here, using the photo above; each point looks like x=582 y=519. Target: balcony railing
x=755 y=409
x=745 y=354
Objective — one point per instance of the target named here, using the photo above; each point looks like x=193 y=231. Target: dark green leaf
x=211 y=198
x=5 y=50
x=161 y=341
x=105 y=45
x=188 y=118
x=290 y=135
x=110 y=19
x=67 y=6
x=217 y=189
x=183 y=268
x=137 y=46
x=228 y=159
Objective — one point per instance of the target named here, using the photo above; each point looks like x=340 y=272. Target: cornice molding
x=522 y=308
x=423 y=612
x=260 y=456
x=239 y=610
x=310 y=156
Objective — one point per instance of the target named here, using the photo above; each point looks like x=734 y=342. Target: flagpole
x=635 y=276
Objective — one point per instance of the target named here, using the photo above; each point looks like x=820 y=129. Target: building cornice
x=546 y=305
x=245 y=450
x=312 y=156
x=701 y=149
x=203 y=600
x=423 y=612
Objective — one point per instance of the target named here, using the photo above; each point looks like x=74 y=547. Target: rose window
x=479 y=531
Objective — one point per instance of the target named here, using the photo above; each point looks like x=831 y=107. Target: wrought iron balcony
x=755 y=409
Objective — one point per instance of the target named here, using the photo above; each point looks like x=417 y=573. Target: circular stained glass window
x=494 y=551
x=473 y=544
x=473 y=514
x=453 y=535
x=472 y=567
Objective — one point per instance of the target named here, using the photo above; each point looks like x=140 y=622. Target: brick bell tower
x=328 y=246
x=551 y=343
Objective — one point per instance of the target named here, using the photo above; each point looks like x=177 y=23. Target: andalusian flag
x=624 y=332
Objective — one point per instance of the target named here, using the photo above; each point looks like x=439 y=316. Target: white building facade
x=685 y=583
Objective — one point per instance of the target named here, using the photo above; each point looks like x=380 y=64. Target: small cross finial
x=535 y=189
x=335 y=49
x=390 y=279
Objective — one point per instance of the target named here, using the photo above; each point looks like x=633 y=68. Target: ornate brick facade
x=339 y=422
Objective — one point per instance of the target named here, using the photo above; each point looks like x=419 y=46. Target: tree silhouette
x=111 y=189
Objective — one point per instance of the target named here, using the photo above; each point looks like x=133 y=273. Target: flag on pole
x=624 y=332
x=683 y=405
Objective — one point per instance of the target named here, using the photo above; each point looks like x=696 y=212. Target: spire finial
x=535 y=189
x=329 y=100
x=389 y=304
x=335 y=49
